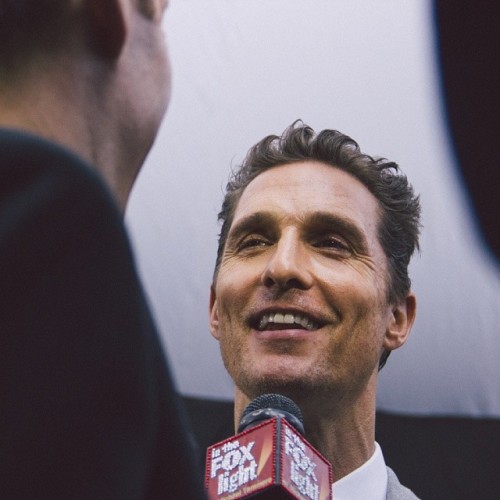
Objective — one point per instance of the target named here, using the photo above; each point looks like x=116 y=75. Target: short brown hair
x=28 y=25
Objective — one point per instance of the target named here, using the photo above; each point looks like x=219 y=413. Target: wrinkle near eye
x=368 y=268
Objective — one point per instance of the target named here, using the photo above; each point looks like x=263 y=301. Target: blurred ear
x=153 y=9
x=400 y=322
x=109 y=22
x=214 y=314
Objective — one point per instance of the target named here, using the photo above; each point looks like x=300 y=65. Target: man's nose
x=288 y=265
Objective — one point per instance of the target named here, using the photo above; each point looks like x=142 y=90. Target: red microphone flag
x=270 y=460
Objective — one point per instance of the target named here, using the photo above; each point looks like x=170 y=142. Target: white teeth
x=304 y=322
x=287 y=319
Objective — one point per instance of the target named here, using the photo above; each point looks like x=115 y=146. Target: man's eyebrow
x=325 y=221
x=249 y=223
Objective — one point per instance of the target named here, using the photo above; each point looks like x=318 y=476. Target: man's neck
x=343 y=432
x=67 y=117
x=346 y=440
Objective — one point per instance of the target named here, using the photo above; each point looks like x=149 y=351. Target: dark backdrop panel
x=469 y=55
x=438 y=458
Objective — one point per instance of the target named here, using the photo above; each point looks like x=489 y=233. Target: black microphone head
x=269 y=406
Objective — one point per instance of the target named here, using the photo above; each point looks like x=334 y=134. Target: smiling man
x=311 y=291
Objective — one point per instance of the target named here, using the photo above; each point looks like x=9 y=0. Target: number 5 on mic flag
x=271 y=460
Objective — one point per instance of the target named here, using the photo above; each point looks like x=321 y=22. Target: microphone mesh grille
x=276 y=402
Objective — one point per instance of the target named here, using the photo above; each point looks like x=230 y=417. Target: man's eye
x=332 y=243
x=252 y=242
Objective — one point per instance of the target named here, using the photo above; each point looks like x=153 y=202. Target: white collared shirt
x=368 y=482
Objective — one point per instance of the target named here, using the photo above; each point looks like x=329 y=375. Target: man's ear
x=109 y=23
x=400 y=322
x=152 y=9
x=214 y=314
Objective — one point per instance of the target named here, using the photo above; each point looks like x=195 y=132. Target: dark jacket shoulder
x=88 y=406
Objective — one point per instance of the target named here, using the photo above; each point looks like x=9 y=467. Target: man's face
x=299 y=303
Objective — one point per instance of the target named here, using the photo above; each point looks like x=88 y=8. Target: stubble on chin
x=298 y=387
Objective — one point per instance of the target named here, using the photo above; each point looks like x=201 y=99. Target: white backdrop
x=244 y=69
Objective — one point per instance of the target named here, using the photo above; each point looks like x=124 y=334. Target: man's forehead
x=302 y=188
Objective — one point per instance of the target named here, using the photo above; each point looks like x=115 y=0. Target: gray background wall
x=244 y=69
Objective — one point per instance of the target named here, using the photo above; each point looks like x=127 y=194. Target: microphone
x=269 y=458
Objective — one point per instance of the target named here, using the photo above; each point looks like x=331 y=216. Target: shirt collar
x=368 y=481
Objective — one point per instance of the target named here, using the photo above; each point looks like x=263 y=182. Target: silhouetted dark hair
x=399 y=224
x=26 y=25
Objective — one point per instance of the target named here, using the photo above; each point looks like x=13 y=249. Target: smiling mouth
x=281 y=321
